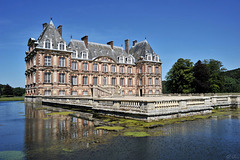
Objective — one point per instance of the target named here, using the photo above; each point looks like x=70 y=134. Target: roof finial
x=145 y=37
x=51 y=17
x=71 y=36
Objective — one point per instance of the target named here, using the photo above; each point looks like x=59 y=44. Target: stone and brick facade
x=84 y=68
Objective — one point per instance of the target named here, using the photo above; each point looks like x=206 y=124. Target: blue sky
x=189 y=29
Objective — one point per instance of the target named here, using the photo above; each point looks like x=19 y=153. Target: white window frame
x=105 y=68
x=74 y=54
x=85 y=80
x=47 y=44
x=61 y=46
x=104 y=80
x=47 y=93
x=149 y=81
x=113 y=81
x=121 y=81
x=74 y=65
x=85 y=66
x=61 y=92
x=121 y=69
x=47 y=60
x=149 y=69
x=61 y=62
x=74 y=80
x=61 y=78
x=47 y=77
x=113 y=68
x=130 y=82
x=129 y=69
x=95 y=67
x=95 y=82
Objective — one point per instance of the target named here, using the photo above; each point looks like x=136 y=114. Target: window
x=84 y=55
x=113 y=81
x=140 y=69
x=113 y=68
x=47 y=60
x=149 y=81
x=129 y=60
x=74 y=80
x=47 y=77
x=140 y=81
x=120 y=59
x=61 y=62
x=34 y=77
x=149 y=57
x=74 y=65
x=47 y=43
x=95 y=67
x=80 y=55
x=47 y=92
x=34 y=60
x=129 y=69
x=156 y=70
x=104 y=67
x=150 y=92
x=85 y=80
x=104 y=80
x=157 y=81
x=122 y=81
x=130 y=82
x=61 y=46
x=122 y=69
x=149 y=69
x=126 y=60
x=74 y=54
x=157 y=92
x=94 y=80
x=62 y=93
x=85 y=93
x=74 y=93
x=123 y=92
x=85 y=66
x=61 y=77
x=130 y=92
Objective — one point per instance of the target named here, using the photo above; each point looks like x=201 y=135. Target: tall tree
x=201 y=78
x=8 y=90
x=180 y=77
x=18 y=91
x=216 y=79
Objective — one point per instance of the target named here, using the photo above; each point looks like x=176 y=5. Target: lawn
x=11 y=98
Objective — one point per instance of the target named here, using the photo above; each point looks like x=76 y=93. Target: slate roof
x=97 y=50
x=50 y=32
x=141 y=49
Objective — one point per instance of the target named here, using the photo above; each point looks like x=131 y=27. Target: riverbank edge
x=12 y=98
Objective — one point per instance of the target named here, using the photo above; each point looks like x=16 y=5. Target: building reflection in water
x=43 y=130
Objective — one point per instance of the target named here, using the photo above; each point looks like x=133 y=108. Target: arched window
x=47 y=43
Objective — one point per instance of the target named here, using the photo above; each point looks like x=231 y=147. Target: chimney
x=60 y=29
x=44 y=25
x=134 y=42
x=85 y=39
x=127 y=46
x=110 y=43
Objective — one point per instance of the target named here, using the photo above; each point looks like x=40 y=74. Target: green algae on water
x=60 y=113
x=136 y=134
x=110 y=128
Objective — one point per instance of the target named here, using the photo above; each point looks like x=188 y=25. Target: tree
x=8 y=90
x=216 y=79
x=18 y=91
x=180 y=77
x=201 y=78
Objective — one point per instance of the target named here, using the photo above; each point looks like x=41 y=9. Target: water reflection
x=57 y=133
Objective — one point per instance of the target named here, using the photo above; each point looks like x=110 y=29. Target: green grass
x=11 y=98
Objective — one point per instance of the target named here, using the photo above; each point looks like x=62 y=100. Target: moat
x=29 y=131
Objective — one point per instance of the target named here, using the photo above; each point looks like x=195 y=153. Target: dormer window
x=80 y=55
x=129 y=60
x=47 y=43
x=126 y=60
x=149 y=57
x=61 y=46
x=85 y=56
x=74 y=54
